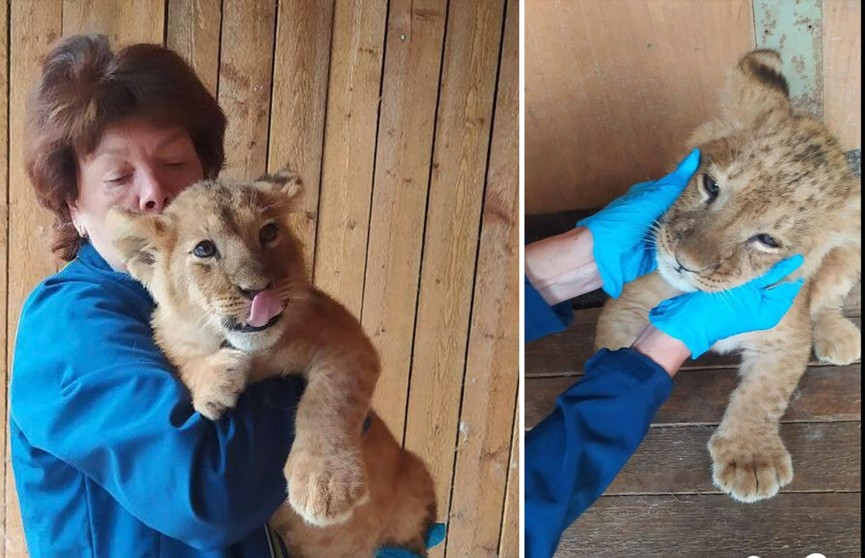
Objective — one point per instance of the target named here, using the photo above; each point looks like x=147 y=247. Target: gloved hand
x=434 y=536
x=700 y=319
x=620 y=231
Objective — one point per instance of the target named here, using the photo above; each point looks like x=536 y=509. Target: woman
x=109 y=457
x=576 y=451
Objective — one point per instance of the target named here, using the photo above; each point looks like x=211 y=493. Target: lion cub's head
x=222 y=253
x=772 y=182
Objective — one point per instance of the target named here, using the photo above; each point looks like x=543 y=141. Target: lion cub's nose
x=250 y=293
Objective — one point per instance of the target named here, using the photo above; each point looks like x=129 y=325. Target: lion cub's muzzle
x=265 y=309
x=233 y=325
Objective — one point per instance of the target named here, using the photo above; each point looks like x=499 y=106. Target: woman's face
x=135 y=165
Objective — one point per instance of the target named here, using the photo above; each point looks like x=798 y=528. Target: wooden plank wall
x=613 y=89
x=402 y=119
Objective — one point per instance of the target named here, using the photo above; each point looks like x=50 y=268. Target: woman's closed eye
x=119 y=179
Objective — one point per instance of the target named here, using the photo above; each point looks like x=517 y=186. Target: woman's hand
x=701 y=319
x=622 y=249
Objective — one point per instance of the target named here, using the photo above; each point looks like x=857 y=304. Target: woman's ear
x=77 y=221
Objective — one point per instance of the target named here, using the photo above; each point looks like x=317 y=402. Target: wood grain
x=297 y=115
x=403 y=158
x=842 y=70
x=492 y=365
x=472 y=43
x=509 y=543
x=245 y=69
x=32 y=28
x=696 y=526
x=194 y=28
x=675 y=459
x=4 y=244
x=825 y=393
x=123 y=22
x=613 y=89
x=349 y=149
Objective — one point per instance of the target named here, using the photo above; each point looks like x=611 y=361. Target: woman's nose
x=153 y=196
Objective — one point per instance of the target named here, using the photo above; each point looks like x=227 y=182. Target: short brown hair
x=85 y=87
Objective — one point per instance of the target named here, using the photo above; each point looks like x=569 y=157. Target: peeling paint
x=795 y=30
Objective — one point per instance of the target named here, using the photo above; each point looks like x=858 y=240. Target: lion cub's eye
x=710 y=187
x=766 y=240
x=204 y=249
x=268 y=233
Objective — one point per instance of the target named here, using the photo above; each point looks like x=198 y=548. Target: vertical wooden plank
x=4 y=252
x=450 y=243
x=492 y=367
x=349 y=149
x=606 y=109
x=244 y=84
x=33 y=27
x=842 y=70
x=409 y=93
x=509 y=543
x=193 y=32
x=4 y=240
x=123 y=22
x=300 y=70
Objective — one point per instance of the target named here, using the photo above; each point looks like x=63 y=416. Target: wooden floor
x=664 y=504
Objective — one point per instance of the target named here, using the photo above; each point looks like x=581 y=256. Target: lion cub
x=234 y=305
x=772 y=183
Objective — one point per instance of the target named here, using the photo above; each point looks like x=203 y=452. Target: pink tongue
x=265 y=305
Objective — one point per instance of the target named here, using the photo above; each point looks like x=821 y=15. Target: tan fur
x=781 y=173
x=348 y=492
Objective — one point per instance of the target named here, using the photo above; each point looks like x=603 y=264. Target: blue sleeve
x=576 y=452
x=91 y=388
x=541 y=318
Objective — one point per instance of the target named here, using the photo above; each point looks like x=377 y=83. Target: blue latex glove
x=700 y=319
x=434 y=536
x=620 y=231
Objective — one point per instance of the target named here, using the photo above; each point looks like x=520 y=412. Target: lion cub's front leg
x=325 y=471
x=622 y=319
x=749 y=460
x=216 y=381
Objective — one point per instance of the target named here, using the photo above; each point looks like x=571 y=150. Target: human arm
x=91 y=388
x=575 y=452
x=562 y=267
x=667 y=352
x=609 y=248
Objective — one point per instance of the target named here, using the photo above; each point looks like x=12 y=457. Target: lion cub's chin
x=673 y=277
x=255 y=341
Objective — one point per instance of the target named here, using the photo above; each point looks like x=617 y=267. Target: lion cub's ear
x=285 y=182
x=758 y=86
x=139 y=238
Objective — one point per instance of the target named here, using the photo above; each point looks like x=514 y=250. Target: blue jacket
x=108 y=455
x=574 y=454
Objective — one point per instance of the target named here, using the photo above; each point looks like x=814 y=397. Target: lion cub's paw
x=324 y=488
x=752 y=470
x=225 y=382
x=837 y=341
